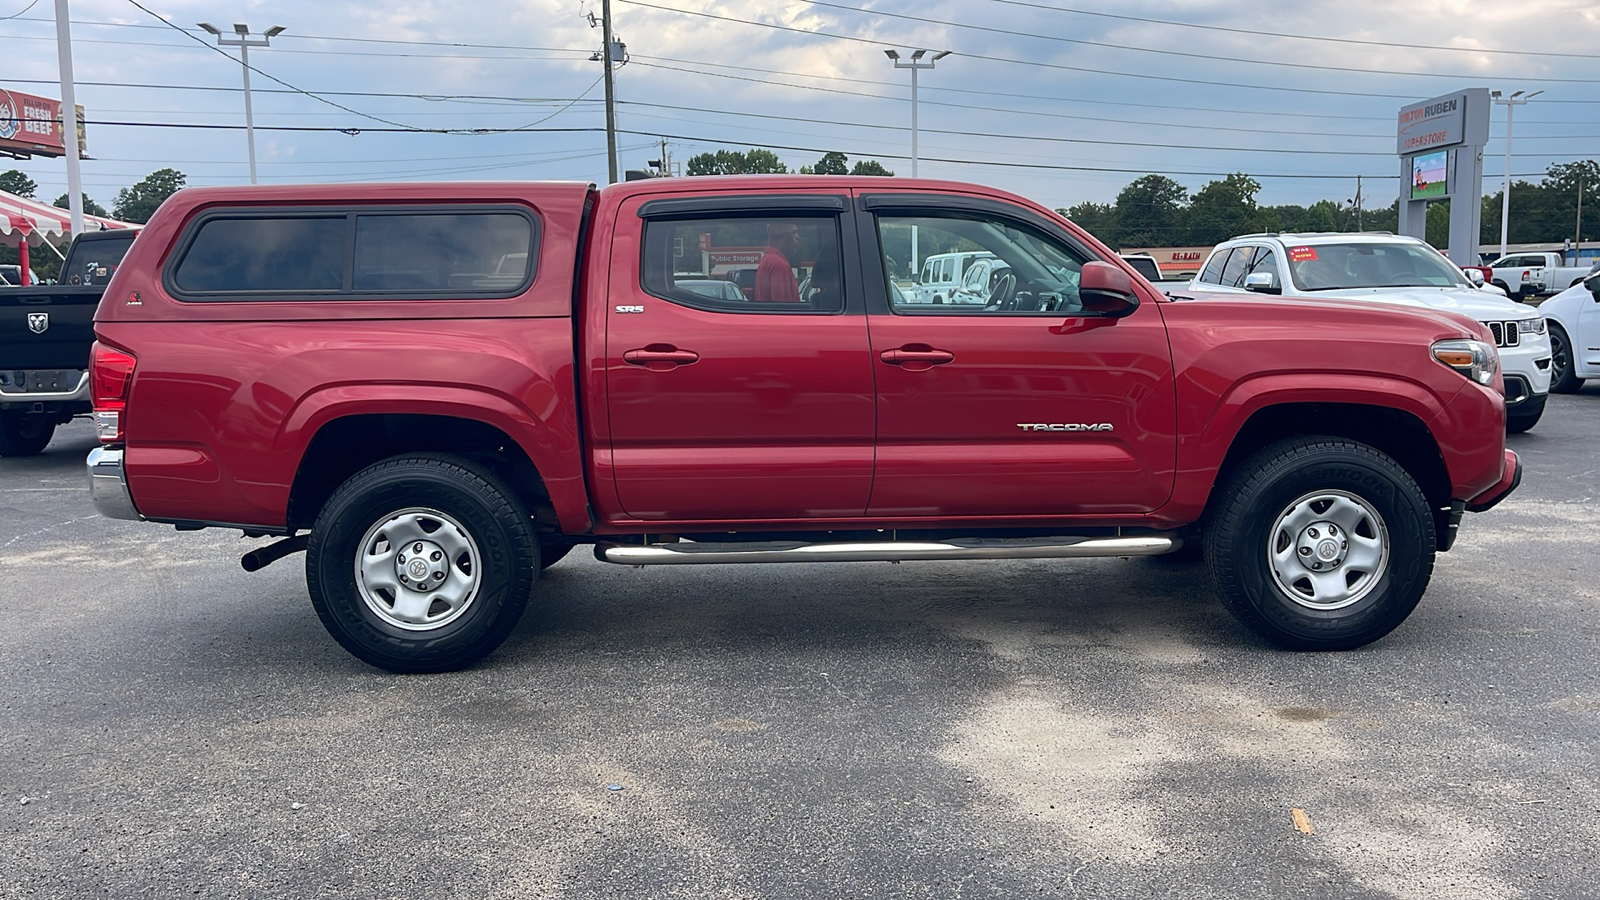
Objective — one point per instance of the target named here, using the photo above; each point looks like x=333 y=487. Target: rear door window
x=790 y=259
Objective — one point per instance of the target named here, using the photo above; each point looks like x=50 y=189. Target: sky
x=1063 y=101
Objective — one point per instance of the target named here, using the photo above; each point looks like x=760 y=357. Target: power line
x=638 y=61
x=286 y=84
x=1178 y=53
x=18 y=14
x=1024 y=62
x=1044 y=65
x=1297 y=37
x=277 y=50
x=951 y=90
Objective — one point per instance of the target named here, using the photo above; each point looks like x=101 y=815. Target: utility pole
x=1357 y=202
x=607 y=52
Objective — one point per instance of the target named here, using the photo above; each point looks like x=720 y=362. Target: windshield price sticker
x=1302 y=254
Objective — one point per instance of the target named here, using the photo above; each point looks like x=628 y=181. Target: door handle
x=917 y=357
x=660 y=357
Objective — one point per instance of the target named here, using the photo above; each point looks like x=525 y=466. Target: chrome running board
x=690 y=553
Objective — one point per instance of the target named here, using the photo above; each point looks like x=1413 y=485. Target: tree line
x=1156 y=211
x=757 y=161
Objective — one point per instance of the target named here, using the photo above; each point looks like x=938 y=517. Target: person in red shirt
x=775 y=276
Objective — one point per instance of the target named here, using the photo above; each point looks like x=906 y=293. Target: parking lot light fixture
x=244 y=42
x=1511 y=103
x=916 y=63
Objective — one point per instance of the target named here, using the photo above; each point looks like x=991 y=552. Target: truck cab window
x=987 y=265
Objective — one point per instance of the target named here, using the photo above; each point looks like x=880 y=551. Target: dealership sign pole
x=1440 y=144
x=69 y=117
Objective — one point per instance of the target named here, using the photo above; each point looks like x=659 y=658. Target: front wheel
x=1320 y=544
x=422 y=563
x=1563 y=376
x=1525 y=414
x=24 y=434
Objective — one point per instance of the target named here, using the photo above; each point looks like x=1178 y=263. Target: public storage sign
x=31 y=126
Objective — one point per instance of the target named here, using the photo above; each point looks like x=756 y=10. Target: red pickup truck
x=439 y=390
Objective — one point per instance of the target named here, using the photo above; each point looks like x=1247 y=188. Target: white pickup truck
x=1523 y=275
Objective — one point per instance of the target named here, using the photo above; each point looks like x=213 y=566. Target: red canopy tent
x=31 y=222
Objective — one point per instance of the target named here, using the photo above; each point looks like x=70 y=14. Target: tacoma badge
x=1069 y=426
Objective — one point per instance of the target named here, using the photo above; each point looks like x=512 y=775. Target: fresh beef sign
x=31 y=126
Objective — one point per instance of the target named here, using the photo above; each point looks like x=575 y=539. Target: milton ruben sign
x=1440 y=145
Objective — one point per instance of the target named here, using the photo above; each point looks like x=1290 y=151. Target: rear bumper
x=108 y=485
x=1509 y=479
x=74 y=393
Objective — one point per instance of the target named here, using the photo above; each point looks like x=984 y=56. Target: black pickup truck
x=45 y=333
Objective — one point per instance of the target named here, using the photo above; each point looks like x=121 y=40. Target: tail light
x=110 y=378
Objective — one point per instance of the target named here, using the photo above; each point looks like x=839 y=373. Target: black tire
x=24 y=434
x=483 y=542
x=1563 y=375
x=1525 y=414
x=1274 y=496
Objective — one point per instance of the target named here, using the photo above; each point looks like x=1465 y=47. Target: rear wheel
x=1525 y=414
x=1320 y=544
x=24 y=434
x=1563 y=376
x=422 y=563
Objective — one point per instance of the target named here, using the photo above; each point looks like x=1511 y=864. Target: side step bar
x=684 y=554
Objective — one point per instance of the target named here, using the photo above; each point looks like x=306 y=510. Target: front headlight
x=1532 y=326
x=1474 y=359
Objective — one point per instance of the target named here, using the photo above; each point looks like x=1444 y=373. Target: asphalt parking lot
x=170 y=725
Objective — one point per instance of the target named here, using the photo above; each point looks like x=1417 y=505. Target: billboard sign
x=1431 y=124
x=1429 y=178
x=32 y=126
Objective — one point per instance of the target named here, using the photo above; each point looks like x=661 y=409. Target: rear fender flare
x=554 y=454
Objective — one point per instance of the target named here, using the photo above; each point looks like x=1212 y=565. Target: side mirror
x=1593 y=284
x=1262 y=283
x=1474 y=275
x=1106 y=290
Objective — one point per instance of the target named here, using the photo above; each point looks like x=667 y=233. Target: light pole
x=1511 y=103
x=916 y=63
x=244 y=42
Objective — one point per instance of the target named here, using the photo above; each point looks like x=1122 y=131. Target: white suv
x=1389 y=268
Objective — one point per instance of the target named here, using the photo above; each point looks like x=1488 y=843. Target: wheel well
x=345 y=446
x=1397 y=433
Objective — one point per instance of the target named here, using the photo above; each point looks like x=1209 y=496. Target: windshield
x=1364 y=265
